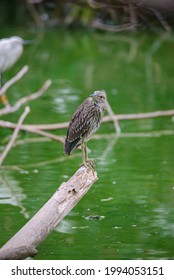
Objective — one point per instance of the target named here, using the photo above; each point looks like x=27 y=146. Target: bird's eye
x=102 y=97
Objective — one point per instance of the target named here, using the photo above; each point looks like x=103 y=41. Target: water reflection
x=64 y=95
x=65 y=226
x=163 y=219
x=61 y=103
x=11 y=193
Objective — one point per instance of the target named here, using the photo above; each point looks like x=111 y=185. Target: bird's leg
x=0 y=80
x=86 y=161
x=86 y=153
x=83 y=153
x=3 y=98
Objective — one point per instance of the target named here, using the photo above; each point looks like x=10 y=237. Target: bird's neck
x=99 y=107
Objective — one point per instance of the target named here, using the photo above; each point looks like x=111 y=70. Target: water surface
x=128 y=213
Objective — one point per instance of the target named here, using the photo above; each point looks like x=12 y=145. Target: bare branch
x=111 y=28
x=25 y=99
x=46 y=134
x=133 y=16
x=35 y=14
x=112 y=116
x=54 y=126
x=147 y=134
x=15 y=133
x=161 y=19
x=23 y=244
x=33 y=129
x=140 y=115
x=13 y=80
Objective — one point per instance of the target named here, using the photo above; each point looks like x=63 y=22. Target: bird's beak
x=27 y=42
x=93 y=94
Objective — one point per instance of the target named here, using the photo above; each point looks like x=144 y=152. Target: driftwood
x=23 y=244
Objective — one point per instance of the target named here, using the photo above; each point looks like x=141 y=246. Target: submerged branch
x=23 y=244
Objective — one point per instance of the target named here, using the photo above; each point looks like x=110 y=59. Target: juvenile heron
x=84 y=123
x=10 y=51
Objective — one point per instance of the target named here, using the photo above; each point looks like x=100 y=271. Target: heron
x=84 y=123
x=11 y=50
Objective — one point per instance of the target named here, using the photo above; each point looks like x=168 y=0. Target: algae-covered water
x=129 y=212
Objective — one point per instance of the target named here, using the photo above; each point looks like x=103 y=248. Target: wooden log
x=23 y=244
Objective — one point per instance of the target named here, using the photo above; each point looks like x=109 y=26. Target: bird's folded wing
x=4 y=51
x=80 y=121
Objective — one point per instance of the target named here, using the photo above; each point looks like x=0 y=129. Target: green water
x=129 y=212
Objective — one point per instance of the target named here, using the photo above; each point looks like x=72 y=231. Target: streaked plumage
x=84 y=123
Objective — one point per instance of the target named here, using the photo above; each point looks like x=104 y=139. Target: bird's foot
x=4 y=101
x=89 y=163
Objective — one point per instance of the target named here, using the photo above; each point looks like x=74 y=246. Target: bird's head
x=16 y=40
x=99 y=98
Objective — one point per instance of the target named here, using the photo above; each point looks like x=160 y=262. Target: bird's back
x=84 y=123
x=10 y=51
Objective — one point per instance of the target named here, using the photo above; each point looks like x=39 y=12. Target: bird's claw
x=89 y=163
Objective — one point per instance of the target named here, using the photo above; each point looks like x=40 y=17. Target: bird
x=11 y=50
x=84 y=123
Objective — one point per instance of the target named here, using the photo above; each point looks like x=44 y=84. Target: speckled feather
x=85 y=121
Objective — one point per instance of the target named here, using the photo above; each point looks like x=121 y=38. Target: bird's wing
x=2 y=57
x=80 y=121
x=9 y=53
x=4 y=53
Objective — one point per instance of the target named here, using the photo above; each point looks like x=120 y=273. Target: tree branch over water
x=23 y=244
x=25 y=99
x=13 y=80
x=109 y=118
x=148 y=115
x=14 y=136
